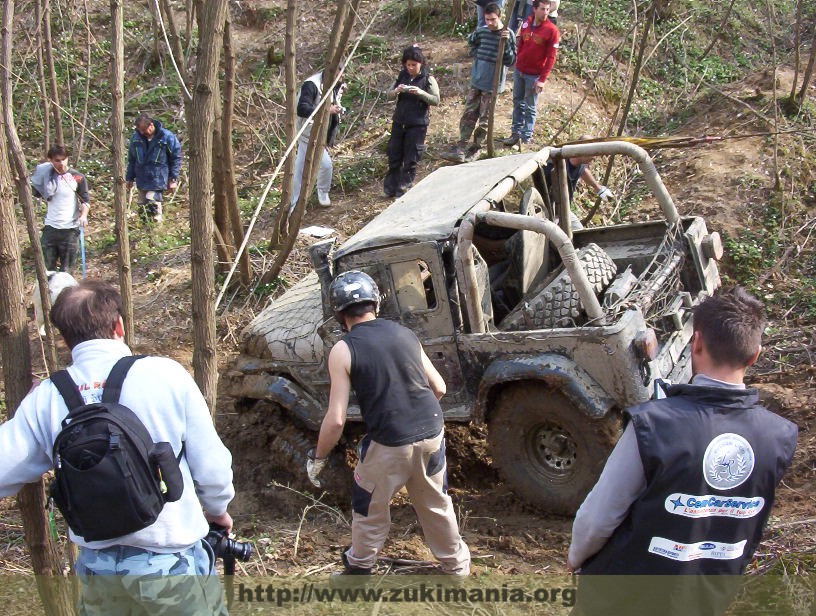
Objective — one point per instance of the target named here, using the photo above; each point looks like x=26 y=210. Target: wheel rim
x=553 y=450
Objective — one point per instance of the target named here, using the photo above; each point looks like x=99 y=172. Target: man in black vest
x=398 y=390
x=689 y=486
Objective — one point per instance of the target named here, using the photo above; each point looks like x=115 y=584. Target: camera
x=226 y=548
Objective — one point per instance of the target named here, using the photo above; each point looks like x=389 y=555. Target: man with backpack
x=140 y=428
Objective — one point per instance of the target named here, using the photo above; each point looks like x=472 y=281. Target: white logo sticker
x=685 y=552
x=709 y=506
x=728 y=461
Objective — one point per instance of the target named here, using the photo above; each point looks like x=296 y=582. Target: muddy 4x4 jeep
x=542 y=331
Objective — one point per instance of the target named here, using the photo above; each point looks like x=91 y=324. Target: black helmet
x=353 y=287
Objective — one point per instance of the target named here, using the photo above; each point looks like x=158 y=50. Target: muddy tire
x=558 y=304
x=269 y=446
x=549 y=452
x=287 y=452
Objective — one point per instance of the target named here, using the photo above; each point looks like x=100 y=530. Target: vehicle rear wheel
x=549 y=452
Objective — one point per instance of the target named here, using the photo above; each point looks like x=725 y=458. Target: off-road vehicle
x=542 y=331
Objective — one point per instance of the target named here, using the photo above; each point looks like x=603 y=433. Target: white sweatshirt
x=167 y=400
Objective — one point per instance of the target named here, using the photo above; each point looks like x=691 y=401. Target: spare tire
x=558 y=304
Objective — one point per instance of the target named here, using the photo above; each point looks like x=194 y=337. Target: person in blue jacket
x=154 y=163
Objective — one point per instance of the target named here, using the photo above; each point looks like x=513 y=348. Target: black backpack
x=111 y=479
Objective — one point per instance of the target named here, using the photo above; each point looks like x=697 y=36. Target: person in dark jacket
x=415 y=90
x=687 y=490
x=398 y=390
x=310 y=94
x=154 y=163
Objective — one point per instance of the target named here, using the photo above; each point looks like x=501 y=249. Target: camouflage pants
x=475 y=116
x=150 y=204
x=128 y=581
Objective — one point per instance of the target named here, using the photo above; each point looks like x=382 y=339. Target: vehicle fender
x=556 y=371
x=285 y=392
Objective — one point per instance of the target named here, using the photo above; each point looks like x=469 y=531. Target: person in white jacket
x=165 y=566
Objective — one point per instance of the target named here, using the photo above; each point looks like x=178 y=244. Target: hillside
x=735 y=92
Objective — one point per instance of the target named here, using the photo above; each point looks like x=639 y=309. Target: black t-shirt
x=396 y=401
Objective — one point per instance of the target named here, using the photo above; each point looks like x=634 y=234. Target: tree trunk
x=458 y=13
x=317 y=138
x=647 y=28
x=230 y=185
x=155 y=51
x=220 y=213
x=41 y=74
x=177 y=53
x=497 y=71
x=87 y=95
x=806 y=78
x=20 y=172
x=53 y=589
x=797 y=44
x=190 y=5
x=202 y=109
x=117 y=125
x=287 y=183
x=52 y=72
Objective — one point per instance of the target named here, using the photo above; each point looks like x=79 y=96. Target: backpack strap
x=68 y=390
x=116 y=378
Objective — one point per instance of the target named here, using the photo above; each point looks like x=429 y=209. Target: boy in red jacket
x=535 y=57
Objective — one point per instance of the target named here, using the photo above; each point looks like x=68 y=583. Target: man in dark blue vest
x=689 y=486
x=398 y=389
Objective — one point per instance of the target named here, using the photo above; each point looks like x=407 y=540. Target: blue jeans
x=125 y=581
x=521 y=11
x=525 y=100
x=480 y=12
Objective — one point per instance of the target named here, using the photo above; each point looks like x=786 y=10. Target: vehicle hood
x=286 y=330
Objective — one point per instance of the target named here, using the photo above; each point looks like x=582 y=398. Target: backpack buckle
x=113 y=441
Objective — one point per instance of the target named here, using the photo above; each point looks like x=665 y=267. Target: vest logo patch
x=685 y=552
x=728 y=461
x=708 y=506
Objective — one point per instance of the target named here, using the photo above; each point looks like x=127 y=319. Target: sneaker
x=456 y=155
x=511 y=140
x=473 y=152
x=323 y=199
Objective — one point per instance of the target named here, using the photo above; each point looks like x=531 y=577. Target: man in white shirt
x=66 y=192
x=164 y=567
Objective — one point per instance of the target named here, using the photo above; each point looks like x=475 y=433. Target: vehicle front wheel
x=548 y=451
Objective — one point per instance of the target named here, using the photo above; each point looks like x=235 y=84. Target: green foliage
x=271 y=288
x=372 y=47
x=607 y=14
x=361 y=172
x=156 y=98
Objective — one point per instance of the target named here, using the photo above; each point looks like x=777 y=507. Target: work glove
x=605 y=194
x=314 y=466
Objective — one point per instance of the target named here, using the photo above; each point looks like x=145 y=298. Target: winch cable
x=657 y=143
